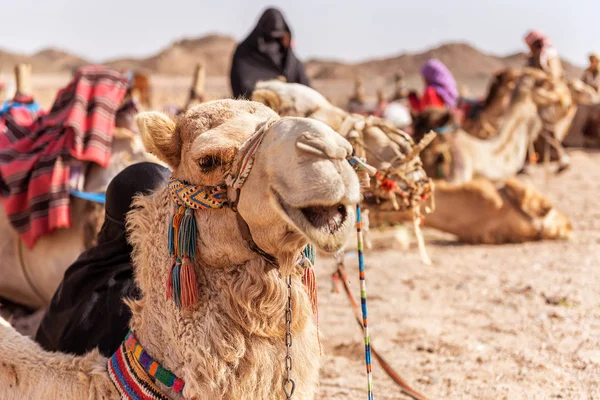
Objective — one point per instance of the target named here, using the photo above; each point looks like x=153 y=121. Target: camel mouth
x=327 y=219
x=325 y=225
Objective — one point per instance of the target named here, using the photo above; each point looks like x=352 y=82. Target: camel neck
x=240 y=312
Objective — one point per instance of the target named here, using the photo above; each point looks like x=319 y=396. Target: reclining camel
x=230 y=343
x=511 y=216
x=30 y=276
x=479 y=212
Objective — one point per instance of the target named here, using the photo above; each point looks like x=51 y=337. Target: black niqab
x=261 y=56
x=87 y=309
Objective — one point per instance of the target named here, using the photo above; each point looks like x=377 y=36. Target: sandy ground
x=482 y=322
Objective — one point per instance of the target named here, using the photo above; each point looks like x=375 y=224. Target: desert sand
x=483 y=322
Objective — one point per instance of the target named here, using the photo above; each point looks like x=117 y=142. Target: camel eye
x=208 y=163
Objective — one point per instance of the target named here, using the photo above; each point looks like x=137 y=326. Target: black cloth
x=87 y=310
x=262 y=56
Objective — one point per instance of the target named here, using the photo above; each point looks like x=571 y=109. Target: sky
x=348 y=30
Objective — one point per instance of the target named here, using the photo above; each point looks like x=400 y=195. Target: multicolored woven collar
x=131 y=370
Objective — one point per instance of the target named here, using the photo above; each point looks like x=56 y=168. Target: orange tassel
x=309 y=280
x=189 y=287
x=336 y=283
x=176 y=225
x=170 y=281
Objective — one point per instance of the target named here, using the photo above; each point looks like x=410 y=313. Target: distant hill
x=465 y=61
x=215 y=52
x=45 y=61
x=180 y=58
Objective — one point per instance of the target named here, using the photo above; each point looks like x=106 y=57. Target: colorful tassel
x=176 y=283
x=187 y=235
x=170 y=281
x=176 y=226
x=310 y=253
x=309 y=280
x=189 y=286
x=172 y=233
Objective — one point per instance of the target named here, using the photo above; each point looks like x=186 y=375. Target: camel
x=513 y=213
x=30 y=276
x=386 y=147
x=560 y=104
x=507 y=218
x=522 y=108
x=585 y=129
x=230 y=344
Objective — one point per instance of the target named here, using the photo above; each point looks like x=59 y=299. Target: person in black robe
x=265 y=54
x=87 y=309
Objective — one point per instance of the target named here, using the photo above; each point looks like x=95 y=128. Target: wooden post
x=23 y=79
x=199 y=81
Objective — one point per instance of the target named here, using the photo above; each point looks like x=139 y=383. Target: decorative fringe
x=170 y=281
x=183 y=234
x=310 y=253
x=189 y=287
x=187 y=235
x=176 y=283
x=176 y=225
x=309 y=280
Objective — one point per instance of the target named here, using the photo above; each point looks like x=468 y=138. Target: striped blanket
x=39 y=155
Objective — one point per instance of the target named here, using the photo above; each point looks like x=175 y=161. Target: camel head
x=300 y=188
x=383 y=145
x=437 y=157
x=537 y=214
x=500 y=92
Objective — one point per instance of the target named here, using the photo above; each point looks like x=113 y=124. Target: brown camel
x=557 y=102
x=513 y=213
x=230 y=344
x=32 y=275
x=508 y=218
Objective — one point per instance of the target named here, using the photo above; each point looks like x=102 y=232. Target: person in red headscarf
x=542 y=54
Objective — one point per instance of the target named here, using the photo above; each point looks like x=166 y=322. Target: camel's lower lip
x=328 y=219
x=325 y=225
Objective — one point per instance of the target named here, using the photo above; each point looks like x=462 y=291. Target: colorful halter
x=183 y=233
x=131 y=368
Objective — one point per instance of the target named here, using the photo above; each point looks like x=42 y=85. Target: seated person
x=440 y=88
x=87 y=310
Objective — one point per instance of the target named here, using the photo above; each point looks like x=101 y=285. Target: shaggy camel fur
x=30 y=276
x=231 y=344
x=492 y=216
x=515 y=213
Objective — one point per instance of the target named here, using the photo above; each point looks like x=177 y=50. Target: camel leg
x=28 y=372
x=563 y=158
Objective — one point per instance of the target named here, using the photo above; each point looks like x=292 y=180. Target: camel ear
x=159 y=138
